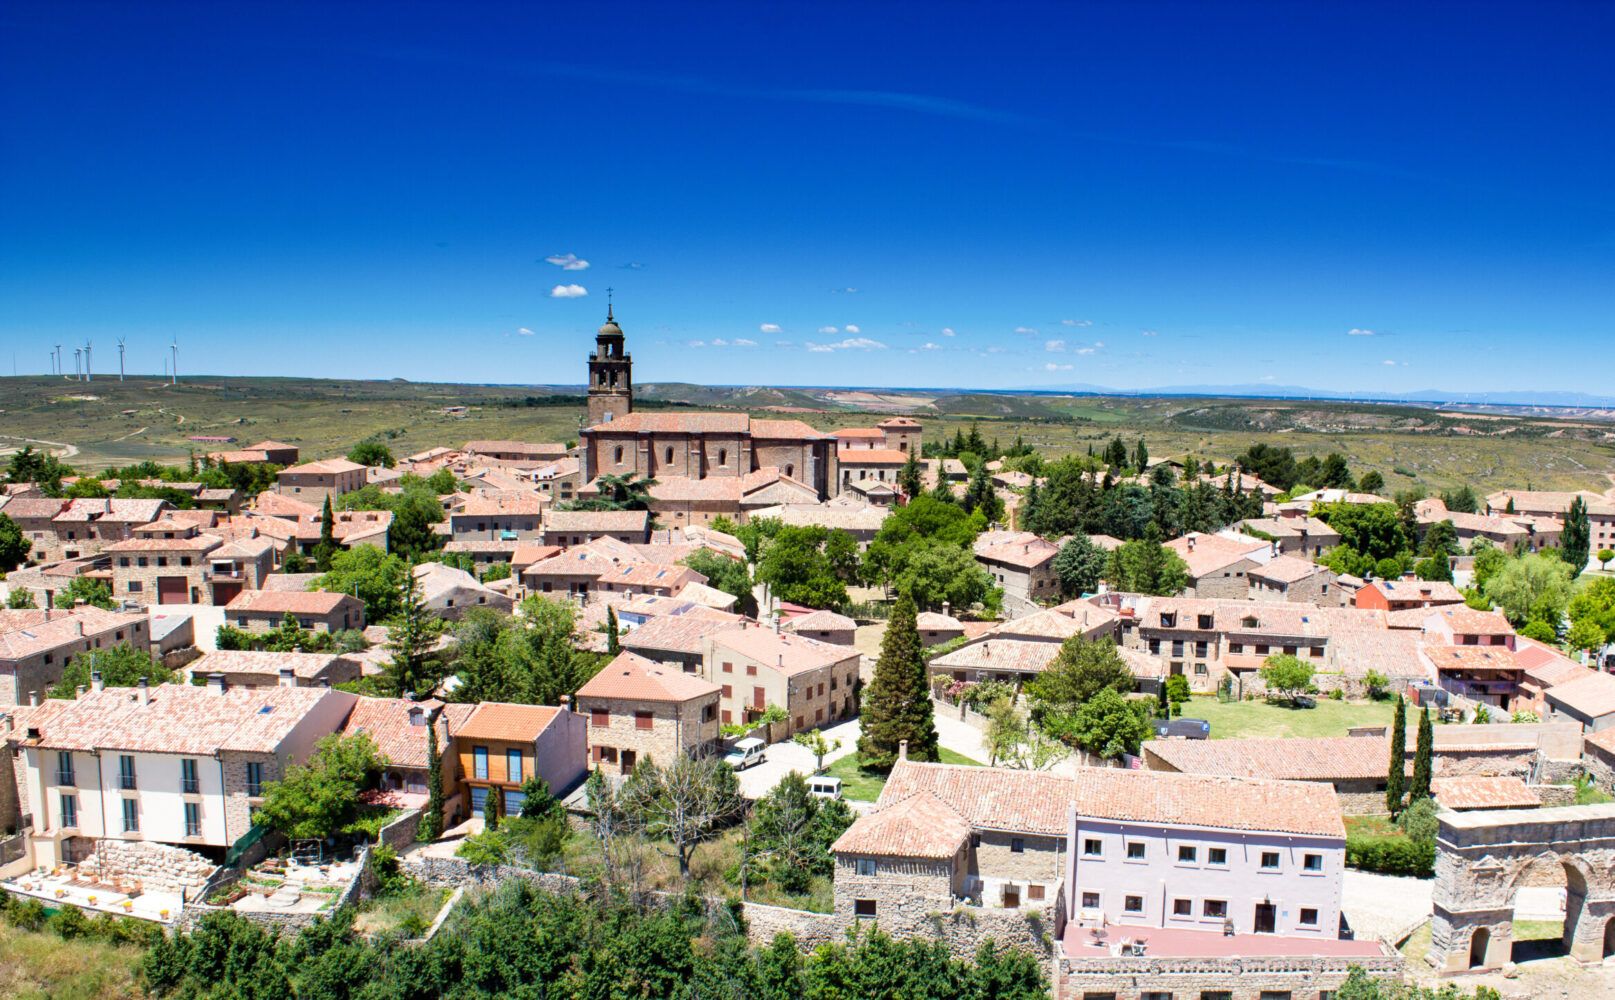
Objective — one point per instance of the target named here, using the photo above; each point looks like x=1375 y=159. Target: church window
x=668 y=453
x=790 y=470
x=617 y=455
x=723 y=456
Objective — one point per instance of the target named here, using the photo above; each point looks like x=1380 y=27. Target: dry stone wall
x=156 y=867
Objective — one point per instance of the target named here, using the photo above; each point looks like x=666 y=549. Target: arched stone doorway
x=1609 y=937
x=1477 y=947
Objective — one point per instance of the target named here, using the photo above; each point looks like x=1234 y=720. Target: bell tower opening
x=611 y=374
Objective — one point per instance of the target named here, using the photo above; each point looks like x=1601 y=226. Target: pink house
x=1183 y=852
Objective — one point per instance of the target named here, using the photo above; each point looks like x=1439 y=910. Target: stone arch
x=1609 y=937
x=1478 y=943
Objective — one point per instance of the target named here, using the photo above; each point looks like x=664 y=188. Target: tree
x=377 y=578
x=317 y=798
x=20 y=598
x=1109 y=725
x=1145 y=566
x=796 y=569
x=897 y=703
x=624 y=492
x=1080 y=565
x=1080 y=670
x=431 y=825
x=791 y=830
x=1461 y=500
x=933 y=572
x=1372 y=482
x=1532 y=587
x=613 y=643
x=530 y=660
x=1441 y=539
x=1286 y=675
x=684 y=803
x=1374 y=529
x=1488 y=560
x=727 y=574
x=841 y=550
x=84 y=590
x=1604 y=556
x=910 y=481
x=538 y=801
x=981 y=495
x=119 y=666
x=372 y=453
x=815 y=742
x=1274 y=466
x=13 y=546
x=1176 y=692
x=1012 y=740
x=1396 y=774
x=1576 y=538
x=1422 y=759
x=412 y=636
x=1585 y=634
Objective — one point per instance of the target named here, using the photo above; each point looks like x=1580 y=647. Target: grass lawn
x=413 y=910
x=35 y=965
x=1417 y=945
x=1538 y=930
x=1259 y=718
x=865 y=786
x=1376 y=826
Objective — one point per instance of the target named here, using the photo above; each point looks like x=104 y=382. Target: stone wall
x=1239 y=978
x=1556 y=795
x=157 y=867
x=400 y=833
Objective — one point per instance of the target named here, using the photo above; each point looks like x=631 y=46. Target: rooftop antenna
x=120 y=359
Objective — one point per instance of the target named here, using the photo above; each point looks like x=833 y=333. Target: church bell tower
x=611 y=375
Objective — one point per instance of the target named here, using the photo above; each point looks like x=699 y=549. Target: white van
x=745 y=753
x=825 y=787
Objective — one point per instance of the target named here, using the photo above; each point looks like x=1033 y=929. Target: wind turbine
x=56 y=356
x=174 y=371
x=78 y=370
x=87 y=376
x=120 y=359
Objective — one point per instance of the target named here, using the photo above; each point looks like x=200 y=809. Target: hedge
x=1391 y=854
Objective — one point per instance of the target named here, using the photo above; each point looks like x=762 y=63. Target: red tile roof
x=634 y=678
x=497 y=720
x=1474 y=791
x=919 y=825
x=990 y=798
x=1120 y=795
x=1332 y=758
x=309 y=602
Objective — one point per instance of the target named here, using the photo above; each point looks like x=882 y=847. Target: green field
x=1259 y=718
x=106 y=423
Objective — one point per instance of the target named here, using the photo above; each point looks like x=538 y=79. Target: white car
x=745 y=753
x=824 y=787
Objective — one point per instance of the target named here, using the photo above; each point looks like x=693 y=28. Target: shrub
x=1391 y=855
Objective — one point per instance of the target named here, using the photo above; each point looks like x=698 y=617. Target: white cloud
x=1358 y=331
x=1052 y=367
x=1267 y=378
x=567 y=261
x=696 y=343
x=850 y=328
x=1076 y=322
x=743 y=342
x=1099 y=343
x=829 y=329
x=720 y=342
x=568 y=292
x=1025 y=329
x=931 y=347
x=1054 y=346
x=850 y=344
x=947 y=331
x=1388 y=361
x=784 y=343
x=1148 y=333
x=769 y=328
x=1086 y=350
x=524 y=332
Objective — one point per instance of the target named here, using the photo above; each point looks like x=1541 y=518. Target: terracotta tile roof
x=34 y=508
x=989 y=798
x=326 y=466
x=819 y=621
x=196 y=543
x=916 y=826
x=1549 y=501
x=535 y=449
x=1544 y=664
x=498 y=720
x=527 y=553
x=871 y=456
x=1051 y=625
x=867 y=519
x=1286 y=569
x=1428 y=591
x=530 y=506
x=1208 y=554
x=861 y=432
x=182 y=719
x=386 y=722
x=1332 y=758
x=787 y=430
x=1604 y=740
x=786 y=653
x=494 y=545
x=309 y=602
x=290 y=583
x=1308 y=808
x=677 y=633
x=644 y=422
x=1020 y=549
x=1474 y=791
x=1390 y=652
x=633 y=677
x=899 y=422
x=1471 y=658
x=279 y=505
x=24 y=633
x=1017 y=655
x=596 y=520
x=1460 y=619
x=709 y=597
x=933 y=621
x=306 y=666
x=1591 y=697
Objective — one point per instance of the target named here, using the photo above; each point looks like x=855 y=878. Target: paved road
x=1384 y=906
x=785 y=757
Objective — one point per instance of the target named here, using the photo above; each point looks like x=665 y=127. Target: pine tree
x=411 y=636
x=1141 y=456
x=326 y=549
x=909 y=479
x=1395 y=775
x=1031 y=519
x=897 y=704
x=494 y=808
x=1576 y=540
x=431 y=826
x=613 y=644
x=1420 y=789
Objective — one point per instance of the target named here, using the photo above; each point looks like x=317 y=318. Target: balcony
x=65 y=779
x=126 y=782
x=192 y=786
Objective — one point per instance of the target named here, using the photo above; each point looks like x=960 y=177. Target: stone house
x=641 y=710
x=938 y=627
x=169 y=566
x=521 y=452
x=684 y=502
x=260 y=668
x=501 y=744
x=450 y=592
x=398 y=727
x=1219 y=565
x=1355 y=766
x=866 y=465
x=1555 y=505
x=74 y=529
x=510 y=519
x=1021 y=563
x=576 y=527
x=1406 y=593
x=1589 y=700
x=315 y=481
x=1288 y=578
x=825 y=626
x=1304 y=537
x=173 y=764
x=814 y=682
x=36 y=645
x=262 y=610
x=676 y=446
x=678 y=640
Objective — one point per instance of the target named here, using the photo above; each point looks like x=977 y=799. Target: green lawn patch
x=865 y=786
x=1538 y=930
x=1260 y=718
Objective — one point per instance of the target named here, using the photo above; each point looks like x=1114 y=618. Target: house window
x=255 y=778
x=728 y=692
x=193 y=819
x=64 y=768
x=1090 y=900
x=728 y=667
x=479 y=763
x=134 y=586
x=1092 y=847
x=866 y=866
x=1135 y=851
x=751 y=670
x=668 y=453
x=131 y=816
x=643 y=720
x=1034 y=892
x=617 y=455
x=126 y=773
x=1133 y=904
x=600 y=718
x=1183 y=907
x=1187 y=854
x=1220 y=995
x=1312 y=862
x=863 y=907
x=513 y=766
x=188 y=783
x=70 y=811
x=1270 y=860
x=1309 y=917
x=1217 y=855
x=1017 y=845
x=1215 y=908
x=1275 y=995
x=723 y=456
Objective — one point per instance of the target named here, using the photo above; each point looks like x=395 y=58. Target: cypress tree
x=494 y=808
x=1420 y=789
x=1576 y=539
x=431 y=826
x=909 y=479
x=1395 y=776
x=613 y=644
x=897 y=704
x=327 y=544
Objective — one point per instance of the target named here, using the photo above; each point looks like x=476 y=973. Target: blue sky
x=1345 y=197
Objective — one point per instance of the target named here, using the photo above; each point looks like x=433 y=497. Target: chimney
x=417 y=715
x=325 y=682
x=144 y=688
x=288 y=677
x=566 y=703
x=902 y=750
x=96 y=683
x=780 y=662
x=1275 y=548
x=33 y=699
x=1190 y=539
x=215 y=683
x=79 y=691
x=947 y=610
x=776 y=624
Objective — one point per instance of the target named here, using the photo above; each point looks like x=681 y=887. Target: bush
x=24 y=914
x=1391 y=855
x=70 y=922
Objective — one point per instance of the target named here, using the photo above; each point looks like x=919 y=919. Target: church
x=711 y=464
